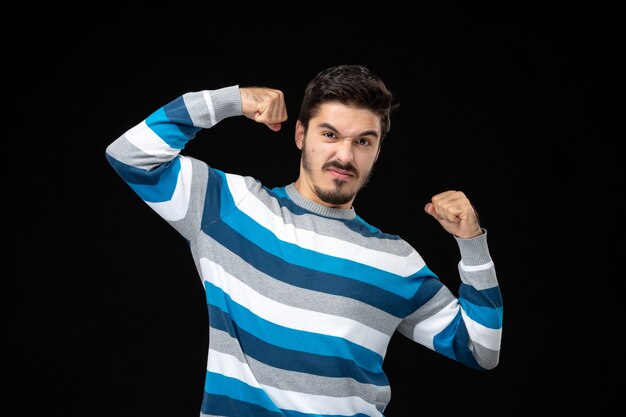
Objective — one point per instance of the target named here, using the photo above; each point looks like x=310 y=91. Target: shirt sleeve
x=148 y=155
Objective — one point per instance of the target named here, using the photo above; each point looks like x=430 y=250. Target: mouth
x=340 y=173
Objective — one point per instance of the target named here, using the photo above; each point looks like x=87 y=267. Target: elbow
x=488 y=360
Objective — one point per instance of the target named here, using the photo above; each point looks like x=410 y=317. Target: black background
x=521 y=107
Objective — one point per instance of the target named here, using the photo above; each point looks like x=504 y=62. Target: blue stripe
x=357 y=224
x=277 y=357
x=373 y=230
x=293 y=254
x=301 y=277
x=291 y=339
x=176 y=111
x=131 y=174
x=487 y=316
x=174 y=132
x=164 y=189
x=453 y=342
x=222 y=405
x=490 y=297
x=426 y=291
x=280 y=193
x=218 y=384
x=212 y=204
x=484 y=306
x=220 y=320
x=292 y=413
x=152 y=186
x=292 y=274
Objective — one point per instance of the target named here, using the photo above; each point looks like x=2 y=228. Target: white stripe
x=327 y=245
x=292 y=317
x=489 y=338
x=149 y=142
x=209 y=104
x=230 y=366
x=426 y=330
x=176 y=208
x=474 y=268
x=320 y=404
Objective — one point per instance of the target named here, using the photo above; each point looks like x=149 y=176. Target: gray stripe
x=480 y=280
x=315 y=384
x=298 y=381
x=289 y=295
x=124 y=151
x=315 y=222
x=485 y=357
x=226 y=103
x=438 y=302
x=189 y=226
x=221 y=341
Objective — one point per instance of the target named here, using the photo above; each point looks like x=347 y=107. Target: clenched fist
x=264 y=105
x=455 y=213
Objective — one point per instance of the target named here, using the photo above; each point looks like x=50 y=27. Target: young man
x=303 y=295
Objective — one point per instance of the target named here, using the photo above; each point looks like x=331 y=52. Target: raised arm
x=148 y=155
x=468 y=328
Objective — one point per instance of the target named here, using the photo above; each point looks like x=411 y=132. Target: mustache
x=345 y=167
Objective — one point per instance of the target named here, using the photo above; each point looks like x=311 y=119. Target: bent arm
x=148 y=159
x=467 y=329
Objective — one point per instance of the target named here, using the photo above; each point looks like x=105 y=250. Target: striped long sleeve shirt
x=303 y=299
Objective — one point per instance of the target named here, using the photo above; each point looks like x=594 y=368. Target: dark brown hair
x=353 y=85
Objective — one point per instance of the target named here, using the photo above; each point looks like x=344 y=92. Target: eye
x=363 y=142
x=329 y=135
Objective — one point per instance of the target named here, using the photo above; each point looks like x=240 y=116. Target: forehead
x=348 y=120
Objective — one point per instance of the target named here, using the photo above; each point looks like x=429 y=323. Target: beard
x=339 y=194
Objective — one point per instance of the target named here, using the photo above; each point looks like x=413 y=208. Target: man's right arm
x=148 y=158
x=161 y=136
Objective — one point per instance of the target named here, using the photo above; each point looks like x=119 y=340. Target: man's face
x=338 y=153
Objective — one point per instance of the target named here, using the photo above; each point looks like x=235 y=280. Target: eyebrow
x=364 y=133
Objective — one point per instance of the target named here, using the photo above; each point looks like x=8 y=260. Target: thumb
x=430 y=209
x=274 y=126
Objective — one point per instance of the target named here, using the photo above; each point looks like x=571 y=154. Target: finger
x=451 y=205
x=271 y=116
x=274 y=126
x=279 y=114
x=430 y=209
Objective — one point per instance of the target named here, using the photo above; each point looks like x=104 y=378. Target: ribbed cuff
x=474 y=251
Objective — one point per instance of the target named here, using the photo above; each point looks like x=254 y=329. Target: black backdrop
x=520 y=107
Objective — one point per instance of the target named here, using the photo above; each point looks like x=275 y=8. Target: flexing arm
x=468 y=328
x=148 y=158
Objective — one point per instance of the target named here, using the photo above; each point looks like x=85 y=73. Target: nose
x=344 y=151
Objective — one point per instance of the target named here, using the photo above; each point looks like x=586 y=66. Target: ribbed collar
x=305 y=203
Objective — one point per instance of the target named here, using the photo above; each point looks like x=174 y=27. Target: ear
x=299 y=136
